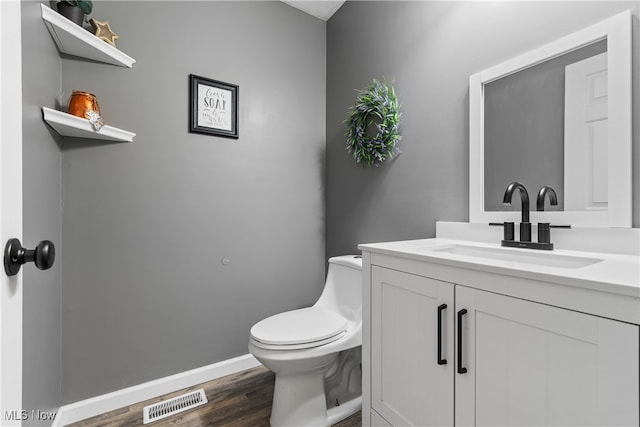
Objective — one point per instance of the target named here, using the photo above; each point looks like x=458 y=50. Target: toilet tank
x=343 y=288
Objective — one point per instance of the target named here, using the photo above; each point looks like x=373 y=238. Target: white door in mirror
x=586 y=135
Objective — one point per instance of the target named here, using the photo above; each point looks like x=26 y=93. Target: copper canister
x=80 y=103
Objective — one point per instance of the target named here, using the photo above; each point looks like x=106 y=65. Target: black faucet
x=544 y=228
x=525 y=225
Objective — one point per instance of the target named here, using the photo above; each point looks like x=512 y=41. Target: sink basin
x=519 y=255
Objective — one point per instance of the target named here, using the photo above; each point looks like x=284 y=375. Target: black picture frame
x=213 y=107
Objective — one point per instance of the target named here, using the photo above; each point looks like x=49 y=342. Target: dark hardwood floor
x=238 y=400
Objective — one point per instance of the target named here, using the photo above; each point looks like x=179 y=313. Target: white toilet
x=315 y=352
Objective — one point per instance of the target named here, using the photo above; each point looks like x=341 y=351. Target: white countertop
x=612 y=273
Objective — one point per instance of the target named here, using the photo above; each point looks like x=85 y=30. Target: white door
x=586 y=135
x=412 y=383
x=531 y=364
x=10 y=211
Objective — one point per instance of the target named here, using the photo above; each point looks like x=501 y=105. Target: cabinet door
x=532 y=364
x=409 y=387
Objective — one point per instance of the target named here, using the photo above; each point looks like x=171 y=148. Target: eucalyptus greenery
x=85 y=5
x=376 y=105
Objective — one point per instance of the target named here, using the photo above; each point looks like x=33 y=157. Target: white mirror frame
x=617 y=31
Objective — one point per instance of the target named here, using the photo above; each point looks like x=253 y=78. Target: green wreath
x=376 y=105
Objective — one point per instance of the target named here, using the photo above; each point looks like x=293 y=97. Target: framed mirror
x=532 y=121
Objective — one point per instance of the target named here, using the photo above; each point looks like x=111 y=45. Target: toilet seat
x=298 y=329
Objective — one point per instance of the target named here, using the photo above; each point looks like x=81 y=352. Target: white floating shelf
x=75 y=40
x=77 y=127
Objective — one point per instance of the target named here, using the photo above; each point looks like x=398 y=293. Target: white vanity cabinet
x=537 y=365
x=408 y=385
x=509 y=361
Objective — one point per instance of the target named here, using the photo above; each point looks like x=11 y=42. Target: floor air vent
x=173 y=406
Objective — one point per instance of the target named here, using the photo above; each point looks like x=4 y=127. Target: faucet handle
x=509 y=233
x=509 y=228
x=544 y=233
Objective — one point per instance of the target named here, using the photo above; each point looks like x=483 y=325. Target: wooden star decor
x=103 y=31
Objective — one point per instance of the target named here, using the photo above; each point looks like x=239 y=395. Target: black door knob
x=15 y=255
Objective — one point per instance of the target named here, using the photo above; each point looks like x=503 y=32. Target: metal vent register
x=173 y=406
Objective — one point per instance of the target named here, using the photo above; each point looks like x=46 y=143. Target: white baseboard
x=108 y=402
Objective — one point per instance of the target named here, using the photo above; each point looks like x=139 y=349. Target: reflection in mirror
x=524 y=128
x=601 y=159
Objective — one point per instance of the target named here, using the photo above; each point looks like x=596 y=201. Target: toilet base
x=299 y=400
x=346 y=409
x=327 y=394
x=296 y=404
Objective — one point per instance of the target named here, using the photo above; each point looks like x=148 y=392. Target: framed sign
x=213 y=107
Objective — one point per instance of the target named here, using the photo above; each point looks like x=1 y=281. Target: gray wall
x=429 y=49
x=146 y=224
x=41 y=217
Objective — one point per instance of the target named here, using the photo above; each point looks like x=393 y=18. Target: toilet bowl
x=315 y=352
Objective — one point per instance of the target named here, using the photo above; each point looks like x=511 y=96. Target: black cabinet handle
x=15 y=255
x=461 y=369
x=441 y=308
